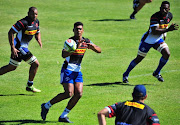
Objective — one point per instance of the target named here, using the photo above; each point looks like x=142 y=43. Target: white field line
x=149 y=74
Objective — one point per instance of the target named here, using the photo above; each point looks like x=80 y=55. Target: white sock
x=65 y=113
x=48 y=105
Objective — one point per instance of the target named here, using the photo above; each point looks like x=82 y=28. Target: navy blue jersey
x=25 y=30
x=133 y=113
x=159 y=21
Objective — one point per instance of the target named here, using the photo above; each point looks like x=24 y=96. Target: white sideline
x=149 y=74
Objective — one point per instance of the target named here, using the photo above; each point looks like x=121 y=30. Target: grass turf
x=107 y=24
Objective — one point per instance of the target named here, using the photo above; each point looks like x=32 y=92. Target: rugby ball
x=70 y=45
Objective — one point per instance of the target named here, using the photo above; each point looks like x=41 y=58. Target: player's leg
x=142 y=52
x=32 y=60
x=68 y=92
x=131 y=66
x=163 y=48
x=13 y=64
x=78 y=90
x=138 y=5
x=7 y=68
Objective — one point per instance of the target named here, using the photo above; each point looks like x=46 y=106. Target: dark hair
x=165 y=2
x=77 y=24
x=138 y=97
x=32 y=9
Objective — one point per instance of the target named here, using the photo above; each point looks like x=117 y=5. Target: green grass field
x=106 y=24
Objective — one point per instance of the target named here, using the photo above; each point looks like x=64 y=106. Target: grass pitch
x=107 y=24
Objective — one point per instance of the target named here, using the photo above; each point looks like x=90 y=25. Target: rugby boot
x=65 y=119
x=32 y=89
x=158 y=76
x=44 y=111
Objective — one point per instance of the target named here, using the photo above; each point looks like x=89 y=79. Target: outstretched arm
x=102 y=116
x=94 y=47
x=38 y=38
x=14 y=51
x=156 y=30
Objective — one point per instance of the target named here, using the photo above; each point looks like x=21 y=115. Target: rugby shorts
x=68 y=76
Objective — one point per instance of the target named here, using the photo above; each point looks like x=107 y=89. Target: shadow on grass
x=113 y=83
x=16 y=94
x=20 y=122
x=112 y=20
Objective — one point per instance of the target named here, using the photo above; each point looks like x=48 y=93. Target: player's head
x=33 y=13
x=139 y=92
x=78 y=29
x=165 y=8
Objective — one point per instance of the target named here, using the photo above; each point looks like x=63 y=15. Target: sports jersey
x=25 y=30
x=157 y=20
x=133 y=113
x=73 y=62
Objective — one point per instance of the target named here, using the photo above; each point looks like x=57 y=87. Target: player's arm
x=14 y=51
x=157 y=31
x=66 y=53
x=102 y=116
x=94 y=47
x=38 y=38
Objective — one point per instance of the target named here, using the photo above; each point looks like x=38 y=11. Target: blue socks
x=162 y=62
x=131 y=66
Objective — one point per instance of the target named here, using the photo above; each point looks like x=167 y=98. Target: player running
x=71 y=75
x=25 y=29
x=154 y=38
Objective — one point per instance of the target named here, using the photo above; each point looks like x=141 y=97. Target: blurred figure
x=137 y=5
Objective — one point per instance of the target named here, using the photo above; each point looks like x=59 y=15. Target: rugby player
x=71 y=76
x=24 y=29
x=154 y=37
x=133 y=112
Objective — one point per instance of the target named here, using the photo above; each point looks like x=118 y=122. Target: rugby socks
x=131 y=66
x=65 y=113
x=47 y=105
x=162 y=62
x=30 y=83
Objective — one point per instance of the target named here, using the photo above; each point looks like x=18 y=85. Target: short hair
x=77 y=24
x=32 y=9
x=165 y=2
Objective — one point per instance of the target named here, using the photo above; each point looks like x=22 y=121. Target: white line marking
x=149 y=74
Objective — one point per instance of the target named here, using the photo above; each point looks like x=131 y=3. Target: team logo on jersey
x=80 y=51
x=32 y=32
x=134 y=104
x=162 y=26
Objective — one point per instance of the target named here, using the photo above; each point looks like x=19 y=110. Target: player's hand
x=173 y=26
x=91 y=46
x=14 y=52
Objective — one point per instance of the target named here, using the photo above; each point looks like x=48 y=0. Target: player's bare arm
x=102 y=116
x=94 y=47
x=38 y=38
x=66 y=53
x=14 y=51
x=157 y=31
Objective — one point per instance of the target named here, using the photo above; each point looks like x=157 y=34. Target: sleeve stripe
x=22 y=24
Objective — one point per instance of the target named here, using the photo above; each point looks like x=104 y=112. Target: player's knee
x=69 y=94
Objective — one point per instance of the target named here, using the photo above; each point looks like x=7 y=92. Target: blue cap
x=139 y=90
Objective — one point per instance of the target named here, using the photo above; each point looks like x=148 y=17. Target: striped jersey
x=25 y=30
x=133 y=113
x=73 y=62
x=157 y=20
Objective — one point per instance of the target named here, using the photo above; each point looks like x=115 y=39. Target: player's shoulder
x=170 y=15
x=156 y=15
x=24 y=20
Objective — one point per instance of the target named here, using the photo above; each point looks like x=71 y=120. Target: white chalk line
x=149 y=74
